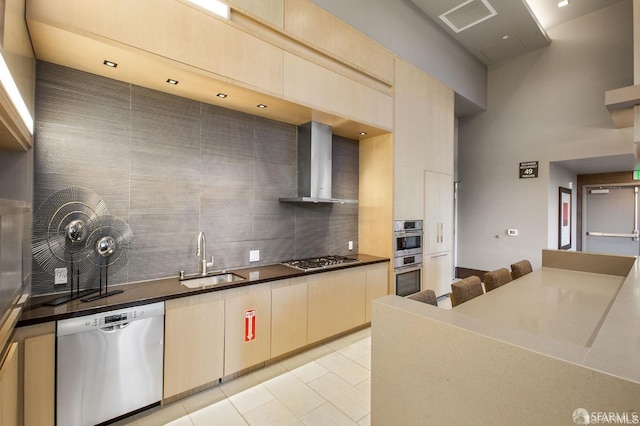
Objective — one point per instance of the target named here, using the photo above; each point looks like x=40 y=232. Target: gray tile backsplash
x=172 y=167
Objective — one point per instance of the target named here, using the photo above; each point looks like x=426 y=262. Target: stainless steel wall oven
x=407 y=262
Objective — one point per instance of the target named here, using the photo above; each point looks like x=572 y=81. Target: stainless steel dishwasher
x=109 y=364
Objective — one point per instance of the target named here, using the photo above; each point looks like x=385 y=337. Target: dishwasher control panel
x=109 y=319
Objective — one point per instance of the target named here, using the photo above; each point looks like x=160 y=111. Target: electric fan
x=106 y=249
x=60 y=232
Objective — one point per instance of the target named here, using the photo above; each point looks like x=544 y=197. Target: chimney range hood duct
x=314 y=165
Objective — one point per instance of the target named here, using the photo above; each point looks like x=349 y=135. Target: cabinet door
x=247 y=339
x=288 y=315
x=194 y=343
x=377 y=286
x=437 y=272
x=39 y=379
x=335 y=302
x=9 y=388
x=438 y=212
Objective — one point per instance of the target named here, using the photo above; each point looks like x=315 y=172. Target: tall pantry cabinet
x=423 y=167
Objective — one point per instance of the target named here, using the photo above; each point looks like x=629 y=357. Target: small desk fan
x=60 y=232
x=106 y=249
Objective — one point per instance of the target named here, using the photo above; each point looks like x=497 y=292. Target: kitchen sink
x=211 y=280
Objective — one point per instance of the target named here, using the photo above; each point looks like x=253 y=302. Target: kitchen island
x=533 y=351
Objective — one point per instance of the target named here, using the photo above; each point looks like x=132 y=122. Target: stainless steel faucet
x=201 y=252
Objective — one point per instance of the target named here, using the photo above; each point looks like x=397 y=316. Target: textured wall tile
x=172 y=167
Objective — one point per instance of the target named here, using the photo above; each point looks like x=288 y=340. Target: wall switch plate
x=350 y=245
x=254 y=255
x=60 y=276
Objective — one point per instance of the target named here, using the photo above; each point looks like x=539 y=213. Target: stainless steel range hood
x=315 y=165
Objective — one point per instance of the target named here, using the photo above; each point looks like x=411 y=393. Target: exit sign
x=636 y=175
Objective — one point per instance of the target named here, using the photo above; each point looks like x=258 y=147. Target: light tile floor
x=326 y=385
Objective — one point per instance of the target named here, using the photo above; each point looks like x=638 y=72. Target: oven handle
x=408 y=268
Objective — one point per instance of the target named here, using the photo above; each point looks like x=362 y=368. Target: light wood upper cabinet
x=312 y=24
x=409 y=193
x=335 y=302
x=247 y=324
x=271 y=11
x=17 y=52
x=312 y=85
x=424 y=120
x=9 y=387
x=194 y=342
x=170 y=29
x=288 y=315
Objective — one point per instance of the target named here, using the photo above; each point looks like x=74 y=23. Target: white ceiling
x=519 y=26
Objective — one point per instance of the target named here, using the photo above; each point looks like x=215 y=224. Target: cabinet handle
x=439 y=255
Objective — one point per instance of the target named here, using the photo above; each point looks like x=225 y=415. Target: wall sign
x=249 y=325
x=529 y=169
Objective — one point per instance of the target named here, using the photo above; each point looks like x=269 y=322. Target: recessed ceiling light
x=363 y=133
x=172 y=81
x=261 y=106
x=110 y=63
x=563 y=3
x=504 y=37
x=221 y=95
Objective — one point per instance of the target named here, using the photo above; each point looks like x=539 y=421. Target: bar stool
x=465 y=290
x=425 y=296
x=495 y=279
x=521 y=268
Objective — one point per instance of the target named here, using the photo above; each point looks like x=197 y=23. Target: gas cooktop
x=322 y=262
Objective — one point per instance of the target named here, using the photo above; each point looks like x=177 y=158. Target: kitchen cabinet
x=377 y=286
x=438 y=273
x=314 y=86
x=288 y=315
x=424 y=120
x=37 y=348
x=9 y=387
x=18 y=54
x=247 y=325
x=335 y=302
x=438 y=212
x=310 y=23
x=194 y=342
x=271 y=11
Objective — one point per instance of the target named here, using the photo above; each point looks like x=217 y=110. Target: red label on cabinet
x=249 y=325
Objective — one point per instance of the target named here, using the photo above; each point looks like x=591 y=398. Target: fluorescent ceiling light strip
x=214 y=6
x=9 y=85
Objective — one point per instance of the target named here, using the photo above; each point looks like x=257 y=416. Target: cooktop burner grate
x=313 y=263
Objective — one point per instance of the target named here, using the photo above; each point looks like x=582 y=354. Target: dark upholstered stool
x=520 y=268
x=495 y=279
x=465 y=290
x=425 y=296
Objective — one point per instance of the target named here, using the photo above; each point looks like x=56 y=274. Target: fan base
x=65 y=299
x=100 y=296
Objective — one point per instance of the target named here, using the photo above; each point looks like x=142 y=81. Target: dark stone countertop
x=142 y=293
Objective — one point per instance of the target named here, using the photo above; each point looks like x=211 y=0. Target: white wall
x=547 y=105
x=405 y=30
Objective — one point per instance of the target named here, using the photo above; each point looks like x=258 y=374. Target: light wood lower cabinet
x=194 y=342
x=37 y=346
x=247 y=325
x=9 y=387
x=288 y=315
x=335 y=302
x=377 y=286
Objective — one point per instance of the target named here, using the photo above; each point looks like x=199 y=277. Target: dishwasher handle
x=114 y=328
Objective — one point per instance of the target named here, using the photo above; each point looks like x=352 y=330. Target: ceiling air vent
x=468 y=14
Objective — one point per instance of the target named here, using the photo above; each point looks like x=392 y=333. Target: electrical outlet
x=350 y=245
x=60 y=276
x=254 y=255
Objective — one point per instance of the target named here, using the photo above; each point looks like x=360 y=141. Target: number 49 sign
x=528 y=169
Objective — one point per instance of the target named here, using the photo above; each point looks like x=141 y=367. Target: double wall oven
x=407 y=260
